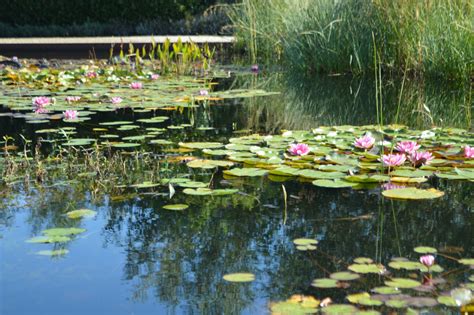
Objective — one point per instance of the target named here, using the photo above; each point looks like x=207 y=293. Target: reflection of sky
x=137 y=258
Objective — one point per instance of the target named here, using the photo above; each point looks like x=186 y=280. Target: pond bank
x=83 y=47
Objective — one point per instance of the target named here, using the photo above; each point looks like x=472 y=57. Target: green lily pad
x=344 y=276
x=467 y=261
x=386 y=290
x=48 y=239
x=402 y=283
x=246 y=172
x=80 y=213
x=447 y=300
x=201 y=145
x=305 y=241
x=363 y=260
x=366 y=268
x=57 y=252
x=339 y=309
x=326 y=183
x=396 y=303
x=176 y=207
x=63 y=231
x=425 y=250
x=239 y=277
x=208 y=164
x=324 y=283
x=413 y=193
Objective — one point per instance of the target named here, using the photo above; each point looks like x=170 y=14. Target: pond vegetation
x=172 y=168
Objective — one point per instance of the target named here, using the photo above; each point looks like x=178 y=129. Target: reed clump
x=423 y=37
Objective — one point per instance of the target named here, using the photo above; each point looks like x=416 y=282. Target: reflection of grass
x=323 y=100
x=431 y=37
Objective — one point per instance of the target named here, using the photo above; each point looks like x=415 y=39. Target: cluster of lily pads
x=61 y=235
x=427 y=288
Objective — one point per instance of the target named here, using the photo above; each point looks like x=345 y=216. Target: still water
x=136 y=258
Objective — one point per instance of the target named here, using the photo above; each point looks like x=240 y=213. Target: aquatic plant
x=298 y=149
x=41 y=101
x=116 y=100
x=73 y=99
x=91 y=74
x=254 y=68
x=469 y=152
x=410 y=37
x=393 y=159
x=203 y=92
x=407 y=147
x=136 y=85
x=365 y=142
x=427 y=260
x=70 y=114
x=154 y=76
x=418 y=158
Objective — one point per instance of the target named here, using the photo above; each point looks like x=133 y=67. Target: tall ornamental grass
x=422 y=37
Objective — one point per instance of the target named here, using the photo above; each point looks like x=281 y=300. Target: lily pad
x=81 y=213
x=425 y=250
x=176 y=207
x=326 y=183
x=324 y=283
x=56 y=252
x=239 y=277
x=246 y=172
x=413 y=193
x=63 y=231
x=402 y=283
x=366 y=268
x=344 y=276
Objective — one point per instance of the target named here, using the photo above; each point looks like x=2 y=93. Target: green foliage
x=430 y=37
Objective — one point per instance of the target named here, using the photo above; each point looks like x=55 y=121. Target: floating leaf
x=48 y=239
x=467 y=261
x=447 y=300
x=201 y=145
x=366 y=268
x=425 y=250
x=305 y=241
x=386 y=290
x=344 y=276
x=402 y=283
x=239 y=277
x=80 y=213
x=63 y=231
x=363 y=260
x=333 y=183
x=246 y=172
x=176 y=207
x=324 y=283
x=57 y=252
x=339 y=309
x=413 y=193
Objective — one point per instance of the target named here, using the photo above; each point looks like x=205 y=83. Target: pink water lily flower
x=407 y=147
x=91 y=74
x=365 y=142
x=427 y=260
x=136 y=85
x=203 y=92
x=154 y=76
x=419 y=158
x=41 y=101
x=469 y=152
x=70 y=114
x=298 y=149
x=116 y=100
x=72 y=99
x=254 y=68
x=393 y=159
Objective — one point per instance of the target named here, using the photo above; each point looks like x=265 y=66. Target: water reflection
x=339 y=100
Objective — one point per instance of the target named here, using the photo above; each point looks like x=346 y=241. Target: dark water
x=136 y=258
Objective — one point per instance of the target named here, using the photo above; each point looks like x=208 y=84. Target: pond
x=183 y=197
